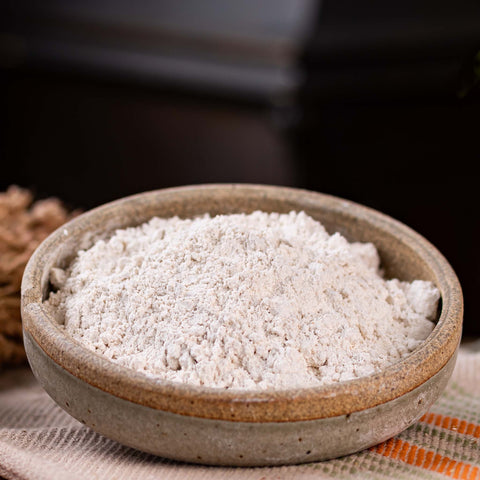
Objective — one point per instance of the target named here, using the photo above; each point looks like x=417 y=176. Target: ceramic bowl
x=242 y=428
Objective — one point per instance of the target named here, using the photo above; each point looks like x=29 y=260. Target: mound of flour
x=241 y=301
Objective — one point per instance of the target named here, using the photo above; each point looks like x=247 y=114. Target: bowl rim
x=286 y=405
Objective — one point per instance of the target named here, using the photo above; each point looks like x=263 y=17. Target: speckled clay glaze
x=200 y=424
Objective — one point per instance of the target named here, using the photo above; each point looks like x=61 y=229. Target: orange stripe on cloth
x=454 y=424
x=427 y=459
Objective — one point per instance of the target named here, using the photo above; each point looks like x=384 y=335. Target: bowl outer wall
x=405 y=254
x=222 y=442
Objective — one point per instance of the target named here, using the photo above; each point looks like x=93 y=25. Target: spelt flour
x=241 y=301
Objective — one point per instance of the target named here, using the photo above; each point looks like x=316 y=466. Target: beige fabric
x=38 y=440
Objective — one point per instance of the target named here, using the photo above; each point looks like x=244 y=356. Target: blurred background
x=374 y=101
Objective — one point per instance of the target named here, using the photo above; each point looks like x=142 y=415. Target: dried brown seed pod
x=24 y=223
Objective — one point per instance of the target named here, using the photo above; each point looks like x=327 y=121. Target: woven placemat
x=39 y=441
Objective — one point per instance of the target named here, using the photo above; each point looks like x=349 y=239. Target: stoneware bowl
x=222 y=427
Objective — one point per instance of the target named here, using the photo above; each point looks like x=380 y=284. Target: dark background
x=377 y=102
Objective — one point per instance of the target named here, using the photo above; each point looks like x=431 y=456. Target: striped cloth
x=39 y=441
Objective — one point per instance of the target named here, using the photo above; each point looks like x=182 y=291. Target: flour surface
x=255 y=301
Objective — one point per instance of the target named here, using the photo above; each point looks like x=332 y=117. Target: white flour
x=242 y=301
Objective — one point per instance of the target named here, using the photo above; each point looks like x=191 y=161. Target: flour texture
x=244 y=301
